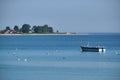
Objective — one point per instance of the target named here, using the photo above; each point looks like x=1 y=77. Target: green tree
x=16 y=28
x=40 y=30
x=34 y=29
x=26 y=28
x=7 y=28
x=45 y=29
x=37 y=29
x=50 y=29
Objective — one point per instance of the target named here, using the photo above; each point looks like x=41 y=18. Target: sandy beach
x=44 y=34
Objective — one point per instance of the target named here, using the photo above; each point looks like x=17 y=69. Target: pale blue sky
x=63 y=15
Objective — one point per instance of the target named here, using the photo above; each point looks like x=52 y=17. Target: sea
x=59 y=57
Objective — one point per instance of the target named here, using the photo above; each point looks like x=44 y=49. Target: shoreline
x=34 y=34
x=59 y=34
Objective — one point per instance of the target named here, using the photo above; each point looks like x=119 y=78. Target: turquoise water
x=59 y=57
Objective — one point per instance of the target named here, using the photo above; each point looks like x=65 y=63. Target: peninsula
x=27 y=29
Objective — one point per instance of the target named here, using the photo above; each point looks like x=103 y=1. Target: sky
x=84 y=16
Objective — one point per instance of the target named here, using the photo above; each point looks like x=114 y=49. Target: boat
x=93 y=49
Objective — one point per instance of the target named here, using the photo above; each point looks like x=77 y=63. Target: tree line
x=26 y=28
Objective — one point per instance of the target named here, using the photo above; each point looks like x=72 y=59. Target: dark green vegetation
x=42 y=29
x=26 y=28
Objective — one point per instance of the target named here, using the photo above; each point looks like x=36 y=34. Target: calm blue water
x=59 y=57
